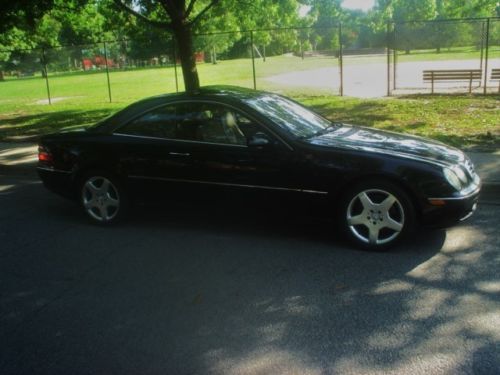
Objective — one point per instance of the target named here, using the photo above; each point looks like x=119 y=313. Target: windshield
x=290 y=116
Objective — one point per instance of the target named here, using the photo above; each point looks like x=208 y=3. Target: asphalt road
x=225 y=288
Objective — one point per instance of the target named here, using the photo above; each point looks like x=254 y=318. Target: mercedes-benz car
x=378 y=185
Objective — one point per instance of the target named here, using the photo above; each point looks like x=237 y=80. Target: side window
x=195 y=121
x=216 y=124
x=247 y=126
x=160 y=123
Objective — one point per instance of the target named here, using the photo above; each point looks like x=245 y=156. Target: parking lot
x=218 y=287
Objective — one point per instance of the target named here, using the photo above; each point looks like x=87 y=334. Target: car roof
x=214 y=91
x=223 y=93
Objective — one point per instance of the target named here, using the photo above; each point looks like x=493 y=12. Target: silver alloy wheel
x=100 y=198
x=375 y=217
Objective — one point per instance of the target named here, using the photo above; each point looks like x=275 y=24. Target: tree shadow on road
x=254 y=286
x=279 y=290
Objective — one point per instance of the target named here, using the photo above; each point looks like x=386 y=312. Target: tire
x=376 y=215
x=102 y=197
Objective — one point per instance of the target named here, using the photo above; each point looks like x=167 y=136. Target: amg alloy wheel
x=100 y=198
x=377 y=215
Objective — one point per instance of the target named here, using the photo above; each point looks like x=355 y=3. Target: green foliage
x=408 y=10
x=48 y=23
x=22 y=14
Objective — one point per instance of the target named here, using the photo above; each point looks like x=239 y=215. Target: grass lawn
x=459 y=120
x=82 y=99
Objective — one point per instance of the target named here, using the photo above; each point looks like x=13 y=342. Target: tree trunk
x=186 y=55
x=1 y=75
x=214 y=56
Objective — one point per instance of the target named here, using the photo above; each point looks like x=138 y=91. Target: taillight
x=44 y=155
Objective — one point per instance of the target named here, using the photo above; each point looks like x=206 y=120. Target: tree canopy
x=149 y=26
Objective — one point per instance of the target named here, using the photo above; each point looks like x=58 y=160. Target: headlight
x=452 y=178
x=460 y=174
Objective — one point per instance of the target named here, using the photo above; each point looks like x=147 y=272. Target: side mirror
x=259 y=140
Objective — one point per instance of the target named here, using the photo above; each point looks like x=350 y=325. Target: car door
x=223 y=154
x=156 y=145
x=206 y=142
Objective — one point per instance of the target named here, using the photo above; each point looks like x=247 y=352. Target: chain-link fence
x=346 y=59
x=492 y=61
x=458 y=54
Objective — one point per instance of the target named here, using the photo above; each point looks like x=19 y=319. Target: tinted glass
x=159 y=123
x=290 y=116
x=198 y=121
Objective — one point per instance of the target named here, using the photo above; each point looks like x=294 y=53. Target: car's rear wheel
x=377 y=215
x=102 y=198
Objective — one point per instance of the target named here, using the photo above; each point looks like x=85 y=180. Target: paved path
x=366 y=80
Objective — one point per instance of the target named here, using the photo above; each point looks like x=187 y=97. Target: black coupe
x=378 y=184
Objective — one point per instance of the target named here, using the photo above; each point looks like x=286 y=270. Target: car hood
x=380 y=141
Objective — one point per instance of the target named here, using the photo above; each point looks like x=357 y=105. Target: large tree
x=179 y=17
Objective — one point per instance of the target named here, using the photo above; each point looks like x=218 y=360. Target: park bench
x=452 y=75
x=495 y=76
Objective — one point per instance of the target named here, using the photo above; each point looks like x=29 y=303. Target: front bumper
x=451 y=210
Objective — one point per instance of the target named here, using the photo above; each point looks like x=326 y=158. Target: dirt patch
x=56 y=99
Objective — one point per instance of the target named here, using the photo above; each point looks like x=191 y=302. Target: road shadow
x=221 y=285
x=272 y=215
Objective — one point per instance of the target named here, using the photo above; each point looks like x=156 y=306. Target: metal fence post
x=253 y=61
x=341 y=61
x=107 y=70
x=46 y=74
x=486 y=56
x=394 y=58
x=388 y=59
x=482 y=46
x=174 y=52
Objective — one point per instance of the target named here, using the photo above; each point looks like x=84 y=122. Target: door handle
x=179 y=153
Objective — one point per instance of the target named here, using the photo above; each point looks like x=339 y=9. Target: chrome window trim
x=228 y=184
x=202 y=101
x=179 y=140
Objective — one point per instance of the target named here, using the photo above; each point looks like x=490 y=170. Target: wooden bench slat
x=452 y=79
x=460 y=73
x=453 y=70
x=455 y=73
x=470 y=75
x=452 y=75
x=437 y=78
x=447 y=78
x=495 y=74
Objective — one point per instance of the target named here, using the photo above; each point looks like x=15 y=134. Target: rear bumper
x=453 y=210
x=59 y=182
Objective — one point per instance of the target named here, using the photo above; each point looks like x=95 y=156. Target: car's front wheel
x=377 y=215
x=102 y=198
